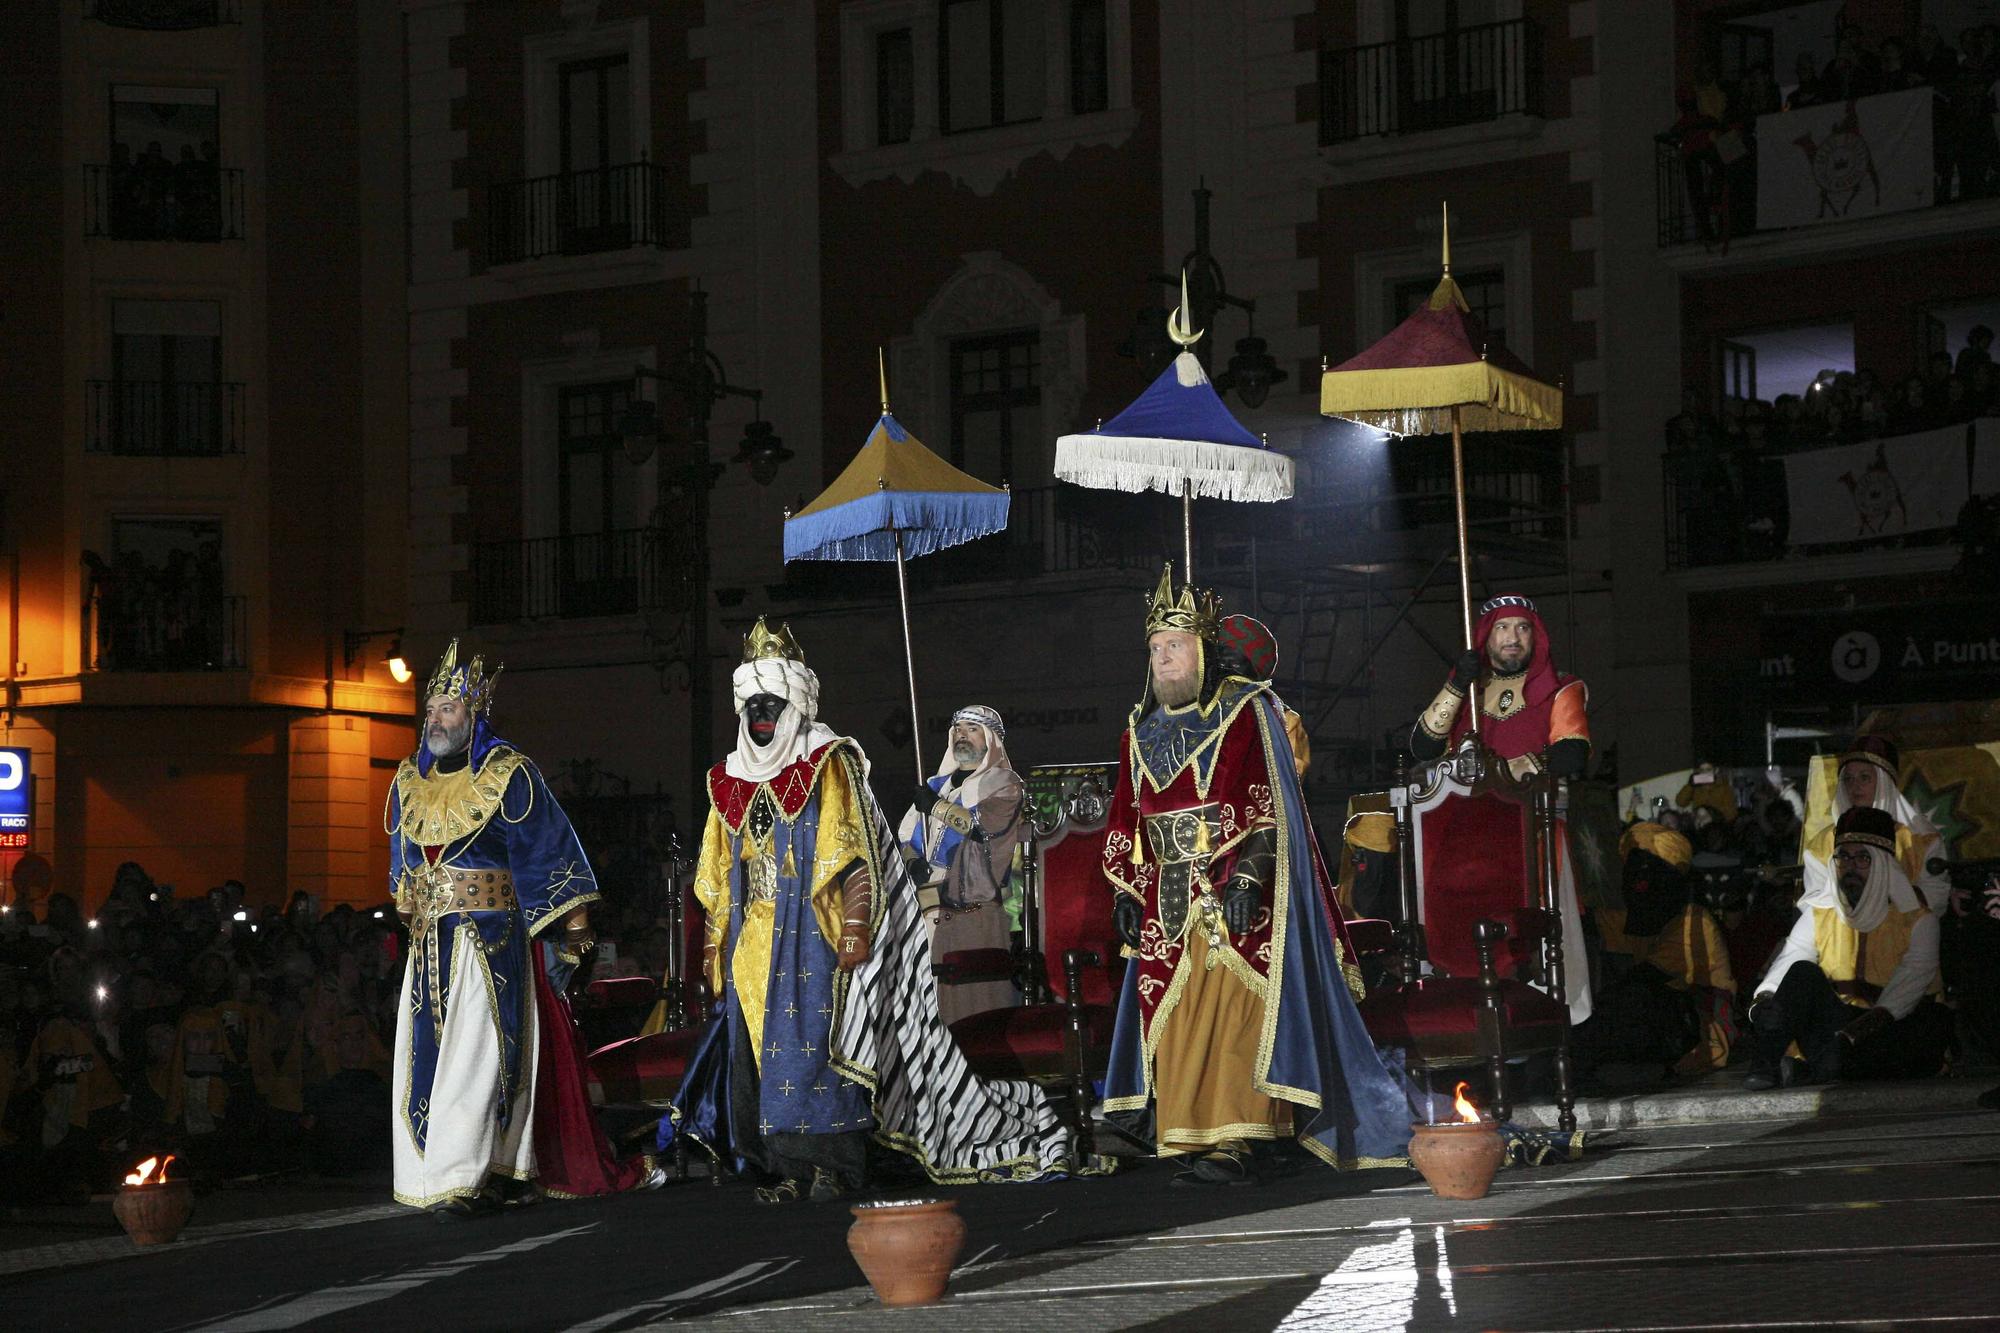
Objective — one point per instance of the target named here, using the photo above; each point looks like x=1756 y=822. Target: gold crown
x=760 y=643
x=469 y=682
x=1193 y=612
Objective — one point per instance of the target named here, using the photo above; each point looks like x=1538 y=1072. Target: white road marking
x=747 y=1276
x=1335 y=1304
x=334 y=1300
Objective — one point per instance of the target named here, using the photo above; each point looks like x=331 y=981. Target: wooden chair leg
x=1077 y=1047
x=1565 y=1085
x=1493 y=1019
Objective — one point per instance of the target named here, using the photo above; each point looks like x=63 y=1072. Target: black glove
x=1128 y=918
x=1466 y=670
x=1240 y=902
x=920 y=870
x=925 y=800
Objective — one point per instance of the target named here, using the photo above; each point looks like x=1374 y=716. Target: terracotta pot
x=1457 y=1160
x=153 y=1214
x=906 y=1250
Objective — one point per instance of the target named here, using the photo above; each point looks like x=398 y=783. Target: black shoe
x=785 y=1191
x=1223 y=1166
x=825 y=1186
x=466 y=1208
x=1760 y=1080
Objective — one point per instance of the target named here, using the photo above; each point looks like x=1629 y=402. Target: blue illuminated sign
x=17 y=800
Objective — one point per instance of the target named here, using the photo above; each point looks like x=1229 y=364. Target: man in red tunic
x=1530 y=714
x=1237 y=1020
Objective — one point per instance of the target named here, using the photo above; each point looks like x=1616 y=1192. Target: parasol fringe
x=1142 y=463
x=865 y=528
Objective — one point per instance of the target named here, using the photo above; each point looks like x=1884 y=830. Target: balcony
x=163 y=15
x=577 y=213
x=138 y=617
x=1461 y=77
x=582 y=574
x=163 y=419
x=157 y=200
x=1929 y=488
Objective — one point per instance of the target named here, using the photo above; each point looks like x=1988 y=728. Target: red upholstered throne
x=1476 y=856
x=1060 y=1035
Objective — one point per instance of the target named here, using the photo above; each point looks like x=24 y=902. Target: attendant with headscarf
x=826 y=1033
x=958 y=840
x=1854 y=986
x=1869 y=779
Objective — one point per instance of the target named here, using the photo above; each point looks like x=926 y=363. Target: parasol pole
x=1187 y=529
x=909 y=661
x=1464 y=558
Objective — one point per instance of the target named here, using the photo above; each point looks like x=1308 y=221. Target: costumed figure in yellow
x=826 y=1033
x=1674 y=1006
x=1869 y=778
x=1237 y=1020
x=1854 y=987
x=483 y=863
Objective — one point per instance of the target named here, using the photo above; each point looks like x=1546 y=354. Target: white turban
x=798 y=733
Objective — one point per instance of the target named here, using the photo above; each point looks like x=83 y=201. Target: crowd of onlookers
x=1729 y=485
x=1715 y=133
x=171 y=615
x=244 y=1039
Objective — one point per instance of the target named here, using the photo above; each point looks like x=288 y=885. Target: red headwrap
x=1528 y=730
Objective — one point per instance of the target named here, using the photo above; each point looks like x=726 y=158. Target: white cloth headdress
x=799 y=731
x=993 y=766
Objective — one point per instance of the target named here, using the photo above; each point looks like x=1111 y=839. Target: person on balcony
x=1236 y=1023
x=1869 y=778
x=826 y=1030
x=1854 y=986
x=1530 y=715
x=483 y=864
x=958 y=841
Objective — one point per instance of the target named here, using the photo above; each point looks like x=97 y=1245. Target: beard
x=444 y=742
x=967 y=755
x=1176 y=693
x=1510 y=662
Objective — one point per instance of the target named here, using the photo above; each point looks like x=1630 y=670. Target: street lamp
x=1252 y=372
x=353 y=640
x=702 y=382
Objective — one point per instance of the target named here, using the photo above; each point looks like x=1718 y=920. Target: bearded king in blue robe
x=826 y=1036
x=483 y=864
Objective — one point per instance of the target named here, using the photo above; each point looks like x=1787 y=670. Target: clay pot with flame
x=151 y=1208
x=906 y=1250
x=1458 y=1158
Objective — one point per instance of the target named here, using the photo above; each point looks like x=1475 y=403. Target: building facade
x=204 y=470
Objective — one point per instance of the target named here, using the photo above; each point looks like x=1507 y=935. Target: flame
x=1466 y=1110
x=143 y=1173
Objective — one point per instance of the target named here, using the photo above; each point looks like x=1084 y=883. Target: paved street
x=1858 y=1221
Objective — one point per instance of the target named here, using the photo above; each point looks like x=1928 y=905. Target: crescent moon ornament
x=1179 y=321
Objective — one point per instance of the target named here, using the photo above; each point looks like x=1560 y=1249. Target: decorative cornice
x=980 y=160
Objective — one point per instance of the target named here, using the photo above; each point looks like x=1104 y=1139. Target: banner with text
x=1845 y=159
x=1883 y=488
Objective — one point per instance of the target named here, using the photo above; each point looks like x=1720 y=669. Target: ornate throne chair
x=1480 y=971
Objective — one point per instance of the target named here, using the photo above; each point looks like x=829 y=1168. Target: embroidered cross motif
x=821 y=1087
x=826 y=1008
x=808 y=1050
x=764 y=1127
x=805 y=976
x=781 y=974
x=791 y=1011
x=804 y=1127
x=773 y=1049
x=787 y=1088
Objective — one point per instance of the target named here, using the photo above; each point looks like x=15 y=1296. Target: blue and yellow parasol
x=896 y=501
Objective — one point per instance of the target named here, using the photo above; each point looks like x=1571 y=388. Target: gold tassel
x=1139 y=845
x=1201 y=835
x=791 y=867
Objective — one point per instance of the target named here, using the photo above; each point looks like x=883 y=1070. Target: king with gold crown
x=1237 y=1021
x=826 y=1035
x=483 y=864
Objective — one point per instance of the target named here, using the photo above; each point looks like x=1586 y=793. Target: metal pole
x=910 y=663
x=1187 y=529
x=701 y=700
x=1464 y=556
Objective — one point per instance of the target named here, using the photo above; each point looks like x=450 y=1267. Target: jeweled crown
x=469 y=682
x=761 y=643
x=1194 y=611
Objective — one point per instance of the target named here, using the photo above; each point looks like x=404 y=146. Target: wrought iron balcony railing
x=163 y=418
x=157 y=200
x=582 y=574
x=143 y=618
x=1459 y=77
x=578 y=212
x=163 y=15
